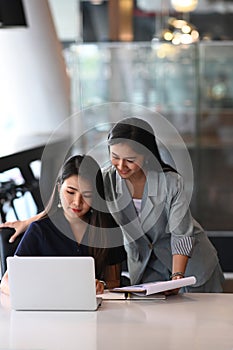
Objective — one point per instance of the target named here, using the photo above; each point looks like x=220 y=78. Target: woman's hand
x=99 y=286
x=4 y=286
x=19 y=226
x=173 y=291
x=179 y=263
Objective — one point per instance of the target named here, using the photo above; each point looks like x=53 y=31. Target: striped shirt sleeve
x=182 y=245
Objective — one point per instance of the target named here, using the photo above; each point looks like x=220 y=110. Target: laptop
x=52 y=283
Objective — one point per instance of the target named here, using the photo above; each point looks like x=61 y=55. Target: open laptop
x=52 y=283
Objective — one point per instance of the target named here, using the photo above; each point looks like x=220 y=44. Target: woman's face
x=126 y=161
x=75 y=196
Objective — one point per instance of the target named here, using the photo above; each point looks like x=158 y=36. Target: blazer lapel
x=153 y=201
x=152 y=205
x=126 y=213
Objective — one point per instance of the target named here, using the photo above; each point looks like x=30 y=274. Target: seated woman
x=76 y=222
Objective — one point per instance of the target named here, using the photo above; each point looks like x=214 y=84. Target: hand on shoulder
x=19 y=226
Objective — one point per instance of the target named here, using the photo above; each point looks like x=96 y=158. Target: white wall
x=34 y=85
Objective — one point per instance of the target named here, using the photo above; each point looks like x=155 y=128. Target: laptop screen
x=52 y=283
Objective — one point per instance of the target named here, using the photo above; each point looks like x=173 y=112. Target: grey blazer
x=165 y=227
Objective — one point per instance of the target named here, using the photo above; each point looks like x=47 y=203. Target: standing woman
x=147 y=199
x=76 y=222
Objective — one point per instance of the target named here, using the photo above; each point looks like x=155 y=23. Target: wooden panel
x=120 y=20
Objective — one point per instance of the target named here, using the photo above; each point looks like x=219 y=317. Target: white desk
x=187 y=322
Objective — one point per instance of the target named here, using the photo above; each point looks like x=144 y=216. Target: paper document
x=107 y=295
x=156 y=287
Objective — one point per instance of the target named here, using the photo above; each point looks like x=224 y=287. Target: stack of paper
x=156 y=287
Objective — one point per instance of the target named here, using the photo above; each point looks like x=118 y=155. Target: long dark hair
x=139 y=135
x=98 y=217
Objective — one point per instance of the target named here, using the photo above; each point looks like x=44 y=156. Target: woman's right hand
x=99 y=286
x=20 y=226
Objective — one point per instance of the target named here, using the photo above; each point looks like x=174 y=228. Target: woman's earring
x=59 y=203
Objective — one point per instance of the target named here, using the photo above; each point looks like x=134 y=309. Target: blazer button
x=150 y=245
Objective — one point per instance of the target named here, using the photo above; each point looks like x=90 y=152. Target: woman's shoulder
x=35 y=233
x=174 y=181
x=43 y=226
x=44 y=222
x=50 y=228
x=168 y=182
x=172 y=176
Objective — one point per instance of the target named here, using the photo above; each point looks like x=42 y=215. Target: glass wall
x=215 y=149
x=190 y=85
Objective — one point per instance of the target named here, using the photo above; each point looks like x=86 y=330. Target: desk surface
x=188 y=321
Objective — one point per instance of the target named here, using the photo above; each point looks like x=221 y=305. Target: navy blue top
x=43 y=238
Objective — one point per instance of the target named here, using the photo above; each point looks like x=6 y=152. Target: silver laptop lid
x=52 y=283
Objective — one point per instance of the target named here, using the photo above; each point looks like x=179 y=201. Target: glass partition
x=215 y=148
x=159 y=76
x=190 y=85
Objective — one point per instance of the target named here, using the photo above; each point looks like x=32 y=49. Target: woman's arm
x=20 y=226
x=111 y=279
x=179 y=263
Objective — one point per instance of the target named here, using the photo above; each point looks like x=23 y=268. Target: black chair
x=6 y=248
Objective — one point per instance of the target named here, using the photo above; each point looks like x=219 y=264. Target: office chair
x=6 y=248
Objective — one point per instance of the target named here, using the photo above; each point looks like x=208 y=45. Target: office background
x=75 y=58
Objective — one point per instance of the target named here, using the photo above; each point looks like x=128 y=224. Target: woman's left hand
x=4 y=286
x=99 y=287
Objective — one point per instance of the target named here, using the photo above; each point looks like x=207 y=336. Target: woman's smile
x=126 y=161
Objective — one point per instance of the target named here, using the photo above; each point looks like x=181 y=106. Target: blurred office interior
x=76 y=66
